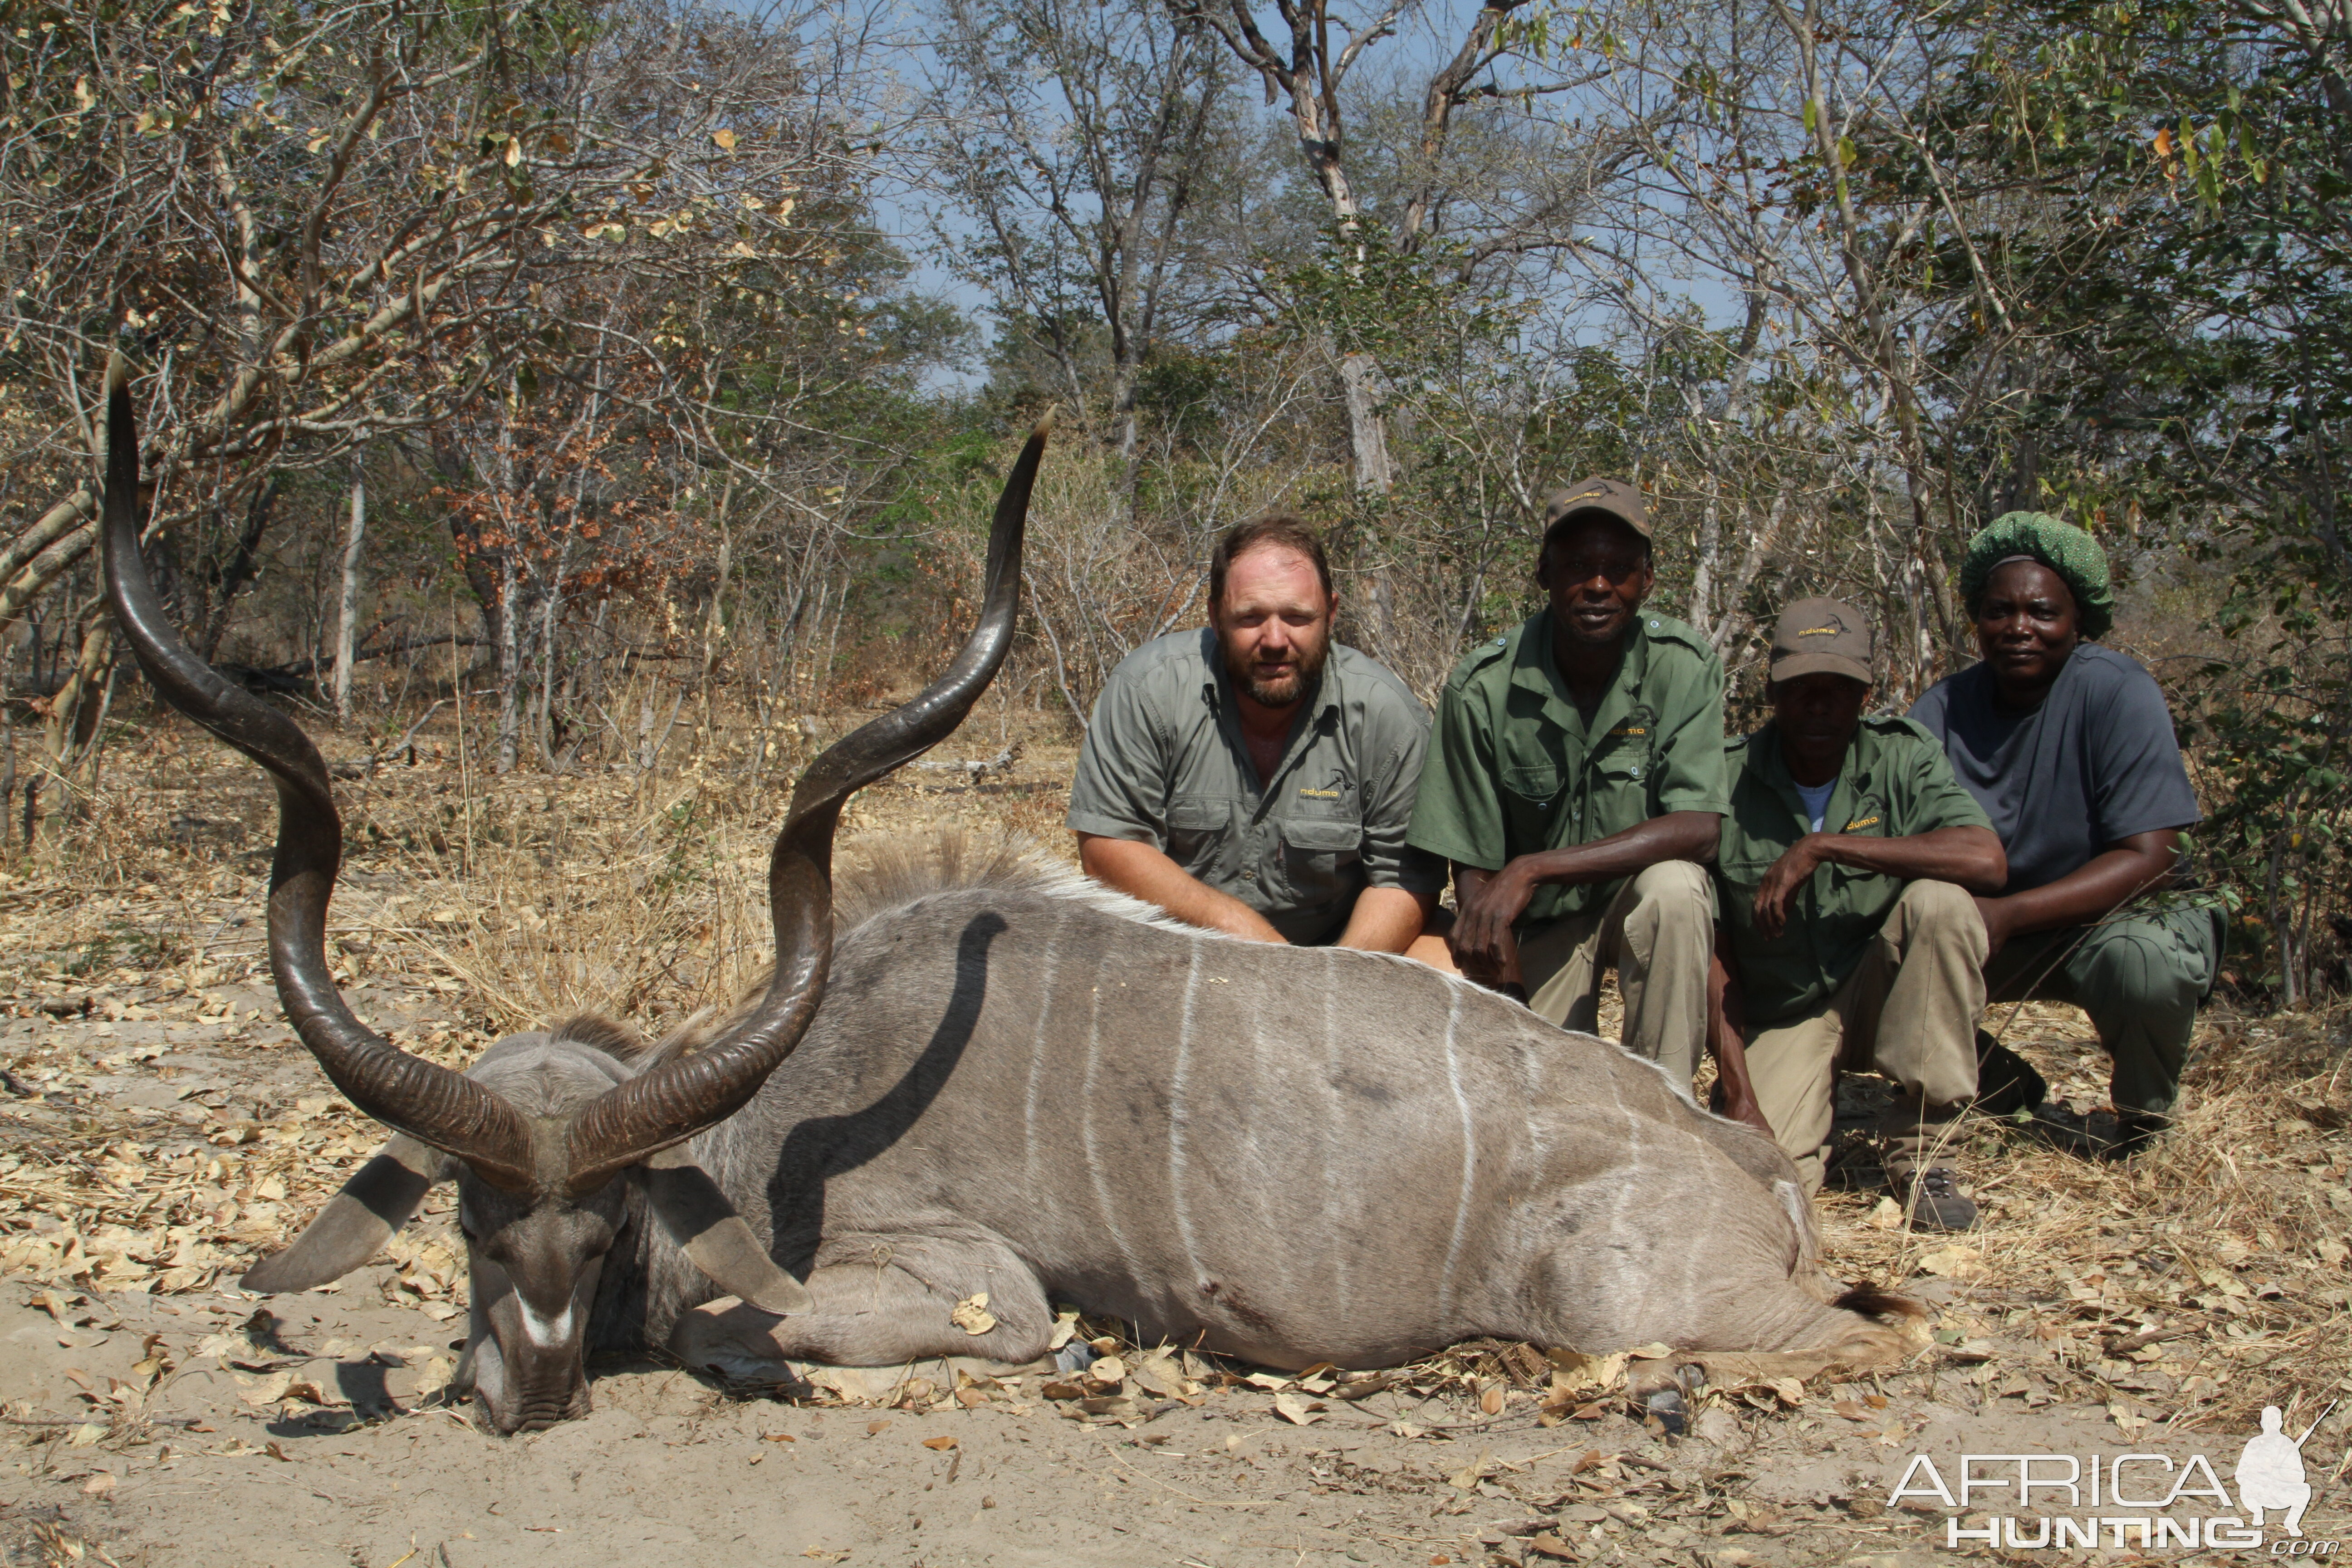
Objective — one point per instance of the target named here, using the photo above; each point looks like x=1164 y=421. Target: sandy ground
x=159 y=1131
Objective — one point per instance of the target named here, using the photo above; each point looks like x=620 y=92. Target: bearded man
x=1254 y=777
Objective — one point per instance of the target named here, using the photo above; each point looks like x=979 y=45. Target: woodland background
x=609 y=379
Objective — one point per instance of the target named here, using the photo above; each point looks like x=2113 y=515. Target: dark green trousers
x=2139 y=975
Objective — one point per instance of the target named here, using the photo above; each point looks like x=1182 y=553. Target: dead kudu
x=1021 y=1085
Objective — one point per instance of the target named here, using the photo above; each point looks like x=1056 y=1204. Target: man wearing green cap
x=1847 y=862
x=1577 y=786
x=2069 y=747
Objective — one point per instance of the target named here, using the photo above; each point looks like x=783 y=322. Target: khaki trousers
x=1658 y=934
x=1908 y=1010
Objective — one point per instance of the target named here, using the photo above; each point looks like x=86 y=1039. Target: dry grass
x=2186 y=1287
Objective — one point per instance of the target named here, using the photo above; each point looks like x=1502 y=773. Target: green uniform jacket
x=1516 y=770
x=1897 y=782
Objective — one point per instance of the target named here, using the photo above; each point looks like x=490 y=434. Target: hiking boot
x=2101 y=1135
x=2006 y=1082
x=1930 y=1194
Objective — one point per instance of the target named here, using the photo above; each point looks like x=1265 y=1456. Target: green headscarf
x=2066 y=550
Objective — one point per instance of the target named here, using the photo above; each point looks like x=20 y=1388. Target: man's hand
x=1490 y=901
x=1143 y=872
x=1781 y=883
x=1487 y=904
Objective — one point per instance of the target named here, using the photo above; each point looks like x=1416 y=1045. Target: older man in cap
x=2069 y=747
x=1577 y=787
x=1847 y=864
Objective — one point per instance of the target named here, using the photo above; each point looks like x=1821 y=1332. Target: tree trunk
x=1368 y=435
x=71 y=734
x=510 y=664
x=348 y=609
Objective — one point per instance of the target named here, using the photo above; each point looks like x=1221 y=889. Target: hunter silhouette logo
x=2270 y=1471
x=2127 y=1500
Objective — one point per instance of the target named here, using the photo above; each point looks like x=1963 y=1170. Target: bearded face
x=1274 y=626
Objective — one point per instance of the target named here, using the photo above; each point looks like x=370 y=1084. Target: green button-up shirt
x=1897 y=782
x=1164 y=763
x=1517 y=769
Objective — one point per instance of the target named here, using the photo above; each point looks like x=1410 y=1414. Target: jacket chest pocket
x=1534 y=797
x=1195 y=823
x=1624 y=759
x=1321 y=843
x=1320 y=858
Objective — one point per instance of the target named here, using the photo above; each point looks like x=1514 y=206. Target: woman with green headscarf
x=2070 y=749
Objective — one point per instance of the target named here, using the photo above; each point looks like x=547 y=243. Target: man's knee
x=1674 y=890
x=1931 y=912
x=2135 y=970
x=1931 y=903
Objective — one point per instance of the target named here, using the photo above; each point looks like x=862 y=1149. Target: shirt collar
x=1534 y=671
x=1856 y=770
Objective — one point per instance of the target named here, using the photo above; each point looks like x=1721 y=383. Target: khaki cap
x=1822 y=637
x=1613 y=497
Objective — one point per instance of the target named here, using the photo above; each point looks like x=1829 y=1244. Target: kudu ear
x=380 y=1197
x=714 y=1237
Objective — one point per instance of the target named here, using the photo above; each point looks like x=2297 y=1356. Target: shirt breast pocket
x=1194 y=824
x=1322 y=843
x=1320 y=858
x=1624 y=763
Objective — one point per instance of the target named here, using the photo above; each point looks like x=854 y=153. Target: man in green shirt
x=1254 y=777
x=1577 y=785
x=1844 y=877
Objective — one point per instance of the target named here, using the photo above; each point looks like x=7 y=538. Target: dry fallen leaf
x=1107 y=1369
x=1953 y=1262
x=1468 y=1478
x=941 y=1444
x=1294 y=1408
x=100 y=1483
x=971 y=1314
x=1573 y=1372
x=1887 y=1215
x=1491 y=1402
x=1550 y=1545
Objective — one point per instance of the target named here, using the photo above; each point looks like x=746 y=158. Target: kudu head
x=547 y=1133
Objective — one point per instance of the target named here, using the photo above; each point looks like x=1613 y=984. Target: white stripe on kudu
x=1178 y=1116
x=1037 y=1051
x=1469 y=1157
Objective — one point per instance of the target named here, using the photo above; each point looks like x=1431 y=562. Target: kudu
x=1023 y=1086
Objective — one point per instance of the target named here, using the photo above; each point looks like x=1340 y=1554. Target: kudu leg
x=882 y=1299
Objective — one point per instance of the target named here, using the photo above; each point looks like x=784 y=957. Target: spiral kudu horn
x=680 y=1099
x=430 y=1103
